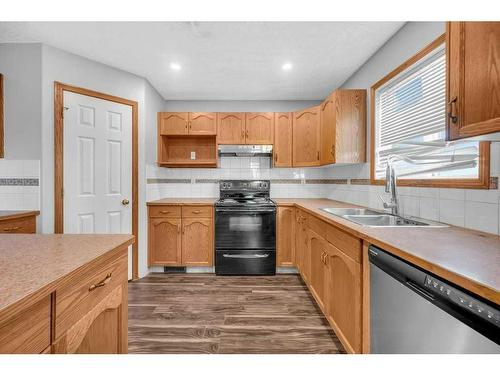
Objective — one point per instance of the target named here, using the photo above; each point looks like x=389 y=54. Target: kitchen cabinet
x=173 y=123
x=306 y=138
x=343 y=127
x=18 y=222
x=473 y=83
x=344 y=309
x=231 y=128
x=317 y=281
x=302 y=251
x=259 y=128
x=285 y=240
x=180 y=236
x=203 y=123
x=283 y=139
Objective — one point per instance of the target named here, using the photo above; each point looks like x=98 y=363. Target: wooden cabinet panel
x=197 y=242
x=285 y=240
x=78 y=296
x=101 y=330
x=259 y=128
x=26 y=330
x=473 y=83
x=302 y=245
x=164 y=211
x=19 y=225
x=283 y=139
x=174 y=123
x=327 y=118
x=318 y=247
x=202 y=123
x=165 y=241
x=344 y=298
x=231 y=128
x=306 y=137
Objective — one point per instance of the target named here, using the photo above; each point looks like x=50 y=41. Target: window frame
x=483 y=179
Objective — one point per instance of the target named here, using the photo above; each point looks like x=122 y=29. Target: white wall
x=238 y=105
x=20 y=65
x=475 y=209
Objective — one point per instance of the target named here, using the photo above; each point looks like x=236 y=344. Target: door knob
x=125 y=201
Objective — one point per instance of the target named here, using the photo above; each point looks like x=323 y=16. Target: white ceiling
x=220 y=60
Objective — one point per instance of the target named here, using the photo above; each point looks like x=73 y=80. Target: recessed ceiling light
x=287 y=66
x=175 y=66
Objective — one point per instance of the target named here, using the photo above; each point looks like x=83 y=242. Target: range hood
x=246 y=150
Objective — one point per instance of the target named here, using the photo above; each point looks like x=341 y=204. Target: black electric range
x=245 y=228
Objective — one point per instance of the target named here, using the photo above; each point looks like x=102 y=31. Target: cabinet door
x=327 y=119
x=318 y=246
x=103 y=330
x=473 y=65
x=165 y=241
x=285 y=241
x=344 y=298
x=202 y=123
x=231 y=128
x=259 y=128
x=302 y=246
x=174 y=123
x=283 y=139
x=197 y=242
x=306 y=138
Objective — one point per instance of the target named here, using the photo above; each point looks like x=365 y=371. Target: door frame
x=59 y=89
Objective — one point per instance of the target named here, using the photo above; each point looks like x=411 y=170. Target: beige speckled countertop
x=31 y=262
x=466 y=257
x=11 y=214
x=183 y=201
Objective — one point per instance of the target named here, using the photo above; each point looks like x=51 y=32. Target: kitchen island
x=63 y=293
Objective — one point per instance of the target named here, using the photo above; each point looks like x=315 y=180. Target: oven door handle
x=249 y=211
x=245 y=256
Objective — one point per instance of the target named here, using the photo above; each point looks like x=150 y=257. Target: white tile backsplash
x=481 y=216
x=19 y=196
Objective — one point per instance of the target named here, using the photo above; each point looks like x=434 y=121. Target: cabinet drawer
x=86 y=289
x=348 y=244
x=196 y=211
x=27 y=331
x=164 y=211
x=21 y=225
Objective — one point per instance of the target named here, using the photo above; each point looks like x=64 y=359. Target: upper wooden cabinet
x=343 y=127
x=231 y=128
x=259 y=128
x=173 y=123
x=306 y=137
x=283 y=136
x=473 y=79
x=203 y=123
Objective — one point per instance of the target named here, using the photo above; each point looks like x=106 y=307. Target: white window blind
x=410 y=119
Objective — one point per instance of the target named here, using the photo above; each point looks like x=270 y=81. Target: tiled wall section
x=19 y=184
x=470 y=208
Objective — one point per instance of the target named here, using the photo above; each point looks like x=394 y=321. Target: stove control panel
x=245 y=185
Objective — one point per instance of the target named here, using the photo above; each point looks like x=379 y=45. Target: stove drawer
x=245 y=262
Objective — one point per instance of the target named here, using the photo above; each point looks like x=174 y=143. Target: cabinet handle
x=333 y=150
x=164 y=212
x=11 y=229
x=196 y=212
x=452 y=114
x=246 y=133
x=101 y=283
x=317 y=155
x=242 y=134
x=275 y=158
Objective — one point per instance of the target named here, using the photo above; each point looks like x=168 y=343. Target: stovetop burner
x=247 y=193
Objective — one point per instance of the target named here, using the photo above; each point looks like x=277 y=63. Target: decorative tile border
x=206 y=181
x=168 y=180
x=286 y=181
x=19 y=182
x=494 y=183
x=326 y=181
x=360 y=181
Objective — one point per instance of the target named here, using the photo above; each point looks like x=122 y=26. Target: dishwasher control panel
x=466 y=301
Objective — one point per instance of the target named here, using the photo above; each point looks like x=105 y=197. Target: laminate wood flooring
x=204 y=313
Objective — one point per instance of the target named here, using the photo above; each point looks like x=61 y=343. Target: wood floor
x=204 y=313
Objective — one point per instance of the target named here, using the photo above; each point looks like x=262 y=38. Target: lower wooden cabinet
x=187 y=239
x=285 y=240
x=302 y=250
x=318 y=267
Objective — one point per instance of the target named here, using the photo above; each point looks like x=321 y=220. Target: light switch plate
x=193 y=155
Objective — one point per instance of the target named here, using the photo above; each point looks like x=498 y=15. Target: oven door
x=239 y=228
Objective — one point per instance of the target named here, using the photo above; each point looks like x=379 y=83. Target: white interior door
x=97 y=166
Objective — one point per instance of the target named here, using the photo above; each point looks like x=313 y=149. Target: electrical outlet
x=193 y=155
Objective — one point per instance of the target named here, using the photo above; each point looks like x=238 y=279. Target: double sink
x=372 y=218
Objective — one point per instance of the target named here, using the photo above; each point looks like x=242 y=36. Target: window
x=409 y=122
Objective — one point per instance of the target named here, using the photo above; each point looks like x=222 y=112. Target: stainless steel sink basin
x=372 y=218
x=350 y=211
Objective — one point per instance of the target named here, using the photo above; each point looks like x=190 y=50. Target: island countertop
x=35 y=263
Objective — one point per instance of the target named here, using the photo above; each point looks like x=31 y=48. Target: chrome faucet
x=390 y=187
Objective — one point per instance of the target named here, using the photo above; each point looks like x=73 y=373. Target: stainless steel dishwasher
x=414 y=311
